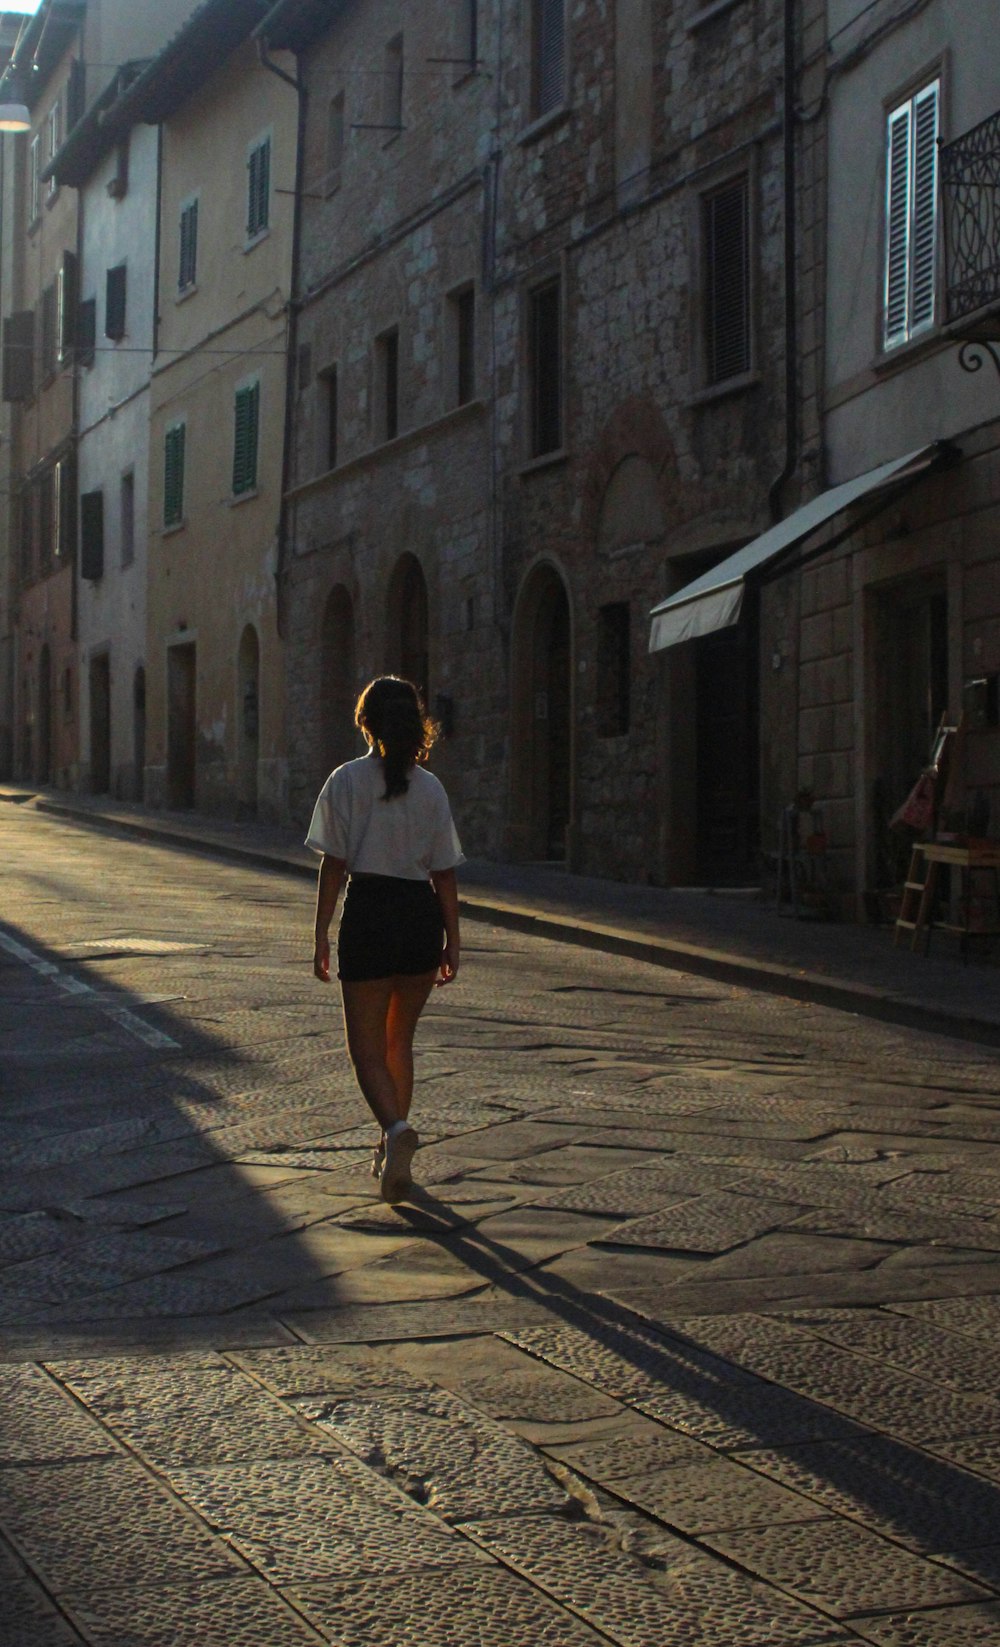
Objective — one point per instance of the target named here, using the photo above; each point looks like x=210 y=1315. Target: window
x=613 y=669
x=67 y=307
x=114 y=303
x=258 y=188
x=92 y=535
x=464 y=323
x=911 y=211
x=335 y=143
x=53 y=141
x=187 y=272
x=725 y=224
x=127 y=511
x=49 y=333
x=19 y=355
x=34 y=178
x=173 y=475
x=392 y=85
x=64 y=508
x=246 y=425
x=545 y=369
x=76 y=93
x=548 y=56
x=387 y=366
x=329 y=418
x=29 y=515
x=45 y=518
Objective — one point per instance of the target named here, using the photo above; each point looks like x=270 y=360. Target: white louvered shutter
x=924 y=170
x=897 y=229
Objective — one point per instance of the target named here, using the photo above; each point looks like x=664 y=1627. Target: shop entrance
x=181 y=726
x=100 y=724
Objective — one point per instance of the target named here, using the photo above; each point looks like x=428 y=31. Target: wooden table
x=916 y=915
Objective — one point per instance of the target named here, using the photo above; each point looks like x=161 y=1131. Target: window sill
x=174 y=527
x=237 y=498
x=928 y=342
x=389 y=448
x=184 y=292
x=708 y=14
x=464 y=75
x=544 y=460
x=51 y=198
x=254 y=240
x=544 y=123
x=720 y=391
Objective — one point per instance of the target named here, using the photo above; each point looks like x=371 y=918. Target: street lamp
x=14 y=115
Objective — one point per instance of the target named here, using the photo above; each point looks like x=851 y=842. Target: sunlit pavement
x=690 y=1335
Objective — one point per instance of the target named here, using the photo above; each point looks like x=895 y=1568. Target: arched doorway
x=542 y=741
x=139 y=733
x=248 y=716
x=339 y=683
x=44 y=747
x=408 y=649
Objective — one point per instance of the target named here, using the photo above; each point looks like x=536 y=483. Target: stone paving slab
x=325 y=1371
x=90 y=1527
x=450 y=1457
x=929 y=1352
x=30 y=1619
x=923 y=1502
x=976 y=1625
x=711 y=1495
x=38 y=1421
x=301 y=1520
x=843 y=1569
x=709 y=1223
x=684 y=1598
x=486 y=1609
x=211 y=1415
x=244 y=1612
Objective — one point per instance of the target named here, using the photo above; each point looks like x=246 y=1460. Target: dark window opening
x=388 y=362
x=726 y=236
x=331 y=410
x=114 y=305
x=548 y=56
x=545 y=368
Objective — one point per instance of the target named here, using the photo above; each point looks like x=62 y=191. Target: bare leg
x=366 y=1008
x=407 y=1002
x=380 y=1019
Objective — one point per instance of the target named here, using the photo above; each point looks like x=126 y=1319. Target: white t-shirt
x=411 y=837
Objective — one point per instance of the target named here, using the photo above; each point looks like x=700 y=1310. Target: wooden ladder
x=917 y=903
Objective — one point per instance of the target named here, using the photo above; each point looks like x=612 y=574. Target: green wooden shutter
x=258 y=187
x=247 y=420
x=188 y=271
x=92 y=535
x=173 y=476
x=897 y=226
x=923 y=259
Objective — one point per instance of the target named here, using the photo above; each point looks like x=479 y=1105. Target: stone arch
x=248 y=719
x=636 y=430
x=338 y=682
x=631 y=513
x=542 y=717
x=408 y=626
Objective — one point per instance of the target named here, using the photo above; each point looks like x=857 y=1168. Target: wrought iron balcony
x=970 y=197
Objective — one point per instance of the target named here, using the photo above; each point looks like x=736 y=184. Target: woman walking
x=386 y=824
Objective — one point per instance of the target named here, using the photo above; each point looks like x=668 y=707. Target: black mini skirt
x=389 y=928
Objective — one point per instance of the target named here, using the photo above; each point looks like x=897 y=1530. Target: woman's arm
x=331 y=876
x=446 y=887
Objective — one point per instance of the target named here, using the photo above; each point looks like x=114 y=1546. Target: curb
x=721 y=966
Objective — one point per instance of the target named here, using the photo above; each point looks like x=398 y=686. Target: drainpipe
x=791 y=282
x=291 y=361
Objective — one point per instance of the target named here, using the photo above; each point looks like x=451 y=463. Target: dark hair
x=392 y=717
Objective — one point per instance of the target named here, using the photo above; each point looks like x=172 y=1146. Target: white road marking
x=122 y=1016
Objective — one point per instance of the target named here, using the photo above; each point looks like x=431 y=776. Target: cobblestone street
x=690 y=1335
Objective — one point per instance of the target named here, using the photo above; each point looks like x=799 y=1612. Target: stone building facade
x=901 y=625
x=542 y=304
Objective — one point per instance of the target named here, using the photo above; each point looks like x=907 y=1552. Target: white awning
x=714 y=600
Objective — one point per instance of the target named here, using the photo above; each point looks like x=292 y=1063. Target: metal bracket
x=971 y=356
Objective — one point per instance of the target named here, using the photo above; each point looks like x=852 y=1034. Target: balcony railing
x=970 y=196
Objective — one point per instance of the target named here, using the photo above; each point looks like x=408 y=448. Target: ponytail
x=391 y=716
